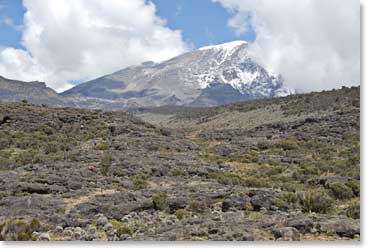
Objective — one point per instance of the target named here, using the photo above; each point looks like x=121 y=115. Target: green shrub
x=25 y=157
x=116 y=224
x=309 y=170
x=18 y=230
x=177 y=172
x=51 y=147
x=1 y=230
x=139 y=182
x=102 y=146
x=4 y=163
x=340 y=190
x=353 y=211
x=106 y=163
x=197 y=206
x=124 y=230
x=160 y=201
x=35 y=224
x=226 y=177
x=287 y=145
x=254 y=181
x=355 y=187
x=182 y=213
x=316 y=201
x=289 y=197
x=263 y=145
x=119 y=172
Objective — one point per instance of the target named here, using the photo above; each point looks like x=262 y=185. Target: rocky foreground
x=274 y=169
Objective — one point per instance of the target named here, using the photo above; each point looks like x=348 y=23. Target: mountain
x=38 y=93
x=35 y=92
x=209 y=76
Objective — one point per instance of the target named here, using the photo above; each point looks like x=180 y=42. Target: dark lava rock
x=342 y=227
x=262 y=199
x=286 y=234
x=302 y=224
x=236 y=202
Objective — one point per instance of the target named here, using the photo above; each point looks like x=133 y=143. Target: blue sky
x=198 y=29
x=202 y=22
x=10 y=11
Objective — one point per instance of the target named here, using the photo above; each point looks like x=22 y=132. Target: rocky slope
x=272 y=169
x=209 y=76
x=35 y=92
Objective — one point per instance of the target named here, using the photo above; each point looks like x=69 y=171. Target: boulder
x=302 y=224
x=102 y=220
x=262 y=199
x=342 y=227
x=236 y=202
x=286 y=234
x=44 y=237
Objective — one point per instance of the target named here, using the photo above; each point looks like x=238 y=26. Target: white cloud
x=10 y=22
x=314 y=44
x=68 y=40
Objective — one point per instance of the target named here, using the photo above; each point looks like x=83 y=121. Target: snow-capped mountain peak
x=211 y=75
x=229 y=46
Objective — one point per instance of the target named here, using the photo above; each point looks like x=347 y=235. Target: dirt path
x=70 y=203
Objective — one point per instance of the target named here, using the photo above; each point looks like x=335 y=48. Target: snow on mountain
x=229 y=46
x=208 y=76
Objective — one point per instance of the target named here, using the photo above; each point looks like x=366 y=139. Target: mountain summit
x=209 y=76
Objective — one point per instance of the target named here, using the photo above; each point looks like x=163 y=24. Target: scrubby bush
x=225 y=177
x=287 y=145
x=353 y=211
x=119 y=172
x=116 y=224
x=51 y=147
x=289 y=197
x=340 y=190
x=263 y=145
x=124 y=230
x=254 y=181
x=140 y=182
x=160 y=201
x=354 y=186
x=316 y=201
x=182 y=213
x=35 y=224
x=4 y=163
x=102 y=146
x=18 y=230
x=197 y=206
x=106 y=163
x=177 y=172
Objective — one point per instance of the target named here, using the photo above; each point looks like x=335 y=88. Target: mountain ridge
x=183 y=79
x=209 y=76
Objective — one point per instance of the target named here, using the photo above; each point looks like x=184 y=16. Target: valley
x=285 y=169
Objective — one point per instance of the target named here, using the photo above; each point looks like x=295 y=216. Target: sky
x=313 y=44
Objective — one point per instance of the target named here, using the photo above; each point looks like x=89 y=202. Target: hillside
x=35 y=92
x=272 y=169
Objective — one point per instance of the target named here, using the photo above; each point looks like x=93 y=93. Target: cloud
x=68 y=40
x=10 y=22
x=178 y=9
x=314 y=44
